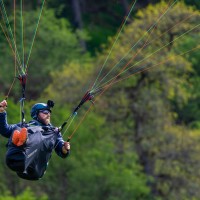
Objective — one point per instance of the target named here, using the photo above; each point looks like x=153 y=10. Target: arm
x=62 y=148
x=5 y=129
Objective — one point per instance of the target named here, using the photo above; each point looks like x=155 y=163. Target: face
x=44 y=116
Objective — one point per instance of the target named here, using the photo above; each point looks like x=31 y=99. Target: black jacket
x=30 y=160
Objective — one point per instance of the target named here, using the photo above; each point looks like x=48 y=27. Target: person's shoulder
x=33 y=123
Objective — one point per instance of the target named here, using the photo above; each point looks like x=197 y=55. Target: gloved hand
x=66 y=147
x=3 y=106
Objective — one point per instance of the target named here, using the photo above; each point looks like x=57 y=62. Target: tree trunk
x=145 y=156
x=78 y=23
x=77 y=14
x=144 y=3
x=35 y=4
x=125 y=6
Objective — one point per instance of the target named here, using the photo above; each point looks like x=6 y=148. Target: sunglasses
x=46 y=112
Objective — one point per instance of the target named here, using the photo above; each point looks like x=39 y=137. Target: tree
x=145 y=103
x=150 y=110
x=188 y=113
x=78 y=23
x=132 y=144
x=26 y=195
x=54 y=45
x=193 y=3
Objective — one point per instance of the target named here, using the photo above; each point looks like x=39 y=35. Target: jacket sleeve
x=59 y=145
x=6 y=129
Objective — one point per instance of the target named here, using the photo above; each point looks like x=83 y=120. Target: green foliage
x=195 y=3
x=55 y=44
x=26 y=195
x=152 y=94
x=95 y=167
x=107 y=173
x=145 y=105
x=72 y=83
x=188 y=112
x=130 y=145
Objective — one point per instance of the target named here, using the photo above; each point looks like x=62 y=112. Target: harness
x=30 y=161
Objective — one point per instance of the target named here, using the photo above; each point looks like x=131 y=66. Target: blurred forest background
x=141 y=139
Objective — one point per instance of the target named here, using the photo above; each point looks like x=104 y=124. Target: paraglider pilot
x=30 y=145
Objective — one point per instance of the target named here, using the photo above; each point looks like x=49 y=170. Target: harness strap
x=22 y=78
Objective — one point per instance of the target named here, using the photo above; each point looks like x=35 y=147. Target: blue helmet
x=41 y=106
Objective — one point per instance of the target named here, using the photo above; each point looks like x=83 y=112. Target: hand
x=66 y=147
x=3 y=106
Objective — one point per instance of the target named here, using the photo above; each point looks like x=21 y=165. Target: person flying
x=31 y=144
